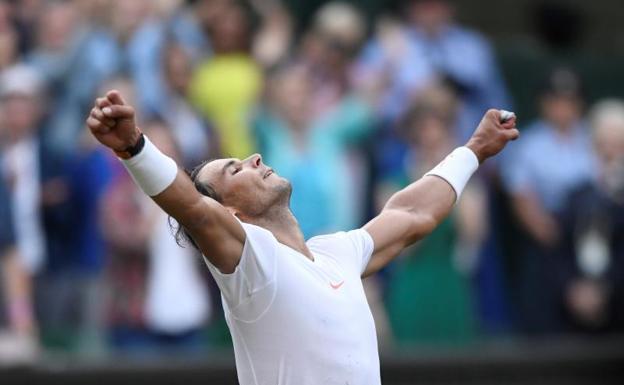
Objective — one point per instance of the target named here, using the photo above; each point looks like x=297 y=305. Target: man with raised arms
x=296 y=309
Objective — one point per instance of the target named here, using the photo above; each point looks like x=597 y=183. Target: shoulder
x=354 y=242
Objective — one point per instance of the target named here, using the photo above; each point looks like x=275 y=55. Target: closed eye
x=236 y=170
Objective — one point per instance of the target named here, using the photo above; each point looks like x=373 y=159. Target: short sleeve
x=363 y=247
x=254 y=274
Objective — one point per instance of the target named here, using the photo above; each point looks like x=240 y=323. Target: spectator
x=225 y=87
x=39 y=193
x=554 y=157
x=590 y=266
x=89 y=175
x=20 y=89
x=19 y=344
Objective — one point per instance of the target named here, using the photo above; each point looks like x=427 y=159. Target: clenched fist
x=112 y=123
x=492 y=135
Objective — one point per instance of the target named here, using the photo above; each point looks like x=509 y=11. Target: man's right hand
x=112 y=123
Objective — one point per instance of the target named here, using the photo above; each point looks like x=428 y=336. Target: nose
x=255 y=160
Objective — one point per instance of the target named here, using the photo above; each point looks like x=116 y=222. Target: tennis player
x=296 y=309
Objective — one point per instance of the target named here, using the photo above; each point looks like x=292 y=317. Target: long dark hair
x=181 y=234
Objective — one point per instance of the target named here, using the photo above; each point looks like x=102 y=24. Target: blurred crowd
x=349 y=110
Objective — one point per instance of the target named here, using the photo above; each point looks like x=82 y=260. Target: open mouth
x=269 y=172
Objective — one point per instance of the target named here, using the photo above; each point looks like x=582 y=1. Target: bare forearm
x=427 y=201
x=415 y=211
x=183 y=202
x=409 y=215
x=215 y=231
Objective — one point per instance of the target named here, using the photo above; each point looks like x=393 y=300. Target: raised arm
x=218 y=234
x=415 y=211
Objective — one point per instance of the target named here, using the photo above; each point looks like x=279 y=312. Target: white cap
x=21 y=80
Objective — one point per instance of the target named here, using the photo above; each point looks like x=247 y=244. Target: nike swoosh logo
x=336 y=286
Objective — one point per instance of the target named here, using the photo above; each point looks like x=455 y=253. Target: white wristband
x=457 y=168
x=151 y=170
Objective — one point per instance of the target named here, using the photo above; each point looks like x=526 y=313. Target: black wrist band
x=132 y=150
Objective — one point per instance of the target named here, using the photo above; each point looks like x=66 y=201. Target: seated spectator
x=553 y=157
x=590 y=264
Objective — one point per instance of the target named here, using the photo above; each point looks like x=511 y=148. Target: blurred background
x=351 y=101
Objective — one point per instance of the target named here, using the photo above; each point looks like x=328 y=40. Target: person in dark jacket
x=590 y=262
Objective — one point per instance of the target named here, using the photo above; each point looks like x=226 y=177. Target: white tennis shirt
x=295 y=321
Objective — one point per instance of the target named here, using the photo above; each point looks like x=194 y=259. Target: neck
x=282 y=223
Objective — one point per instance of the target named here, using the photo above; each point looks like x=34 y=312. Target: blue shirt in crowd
x=549 y=164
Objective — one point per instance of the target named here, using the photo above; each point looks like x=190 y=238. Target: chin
x=285 y=185
x=283 y=189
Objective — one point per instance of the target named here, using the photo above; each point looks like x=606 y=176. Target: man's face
x=248 y=186
x=562 y=111
x=430 y=15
